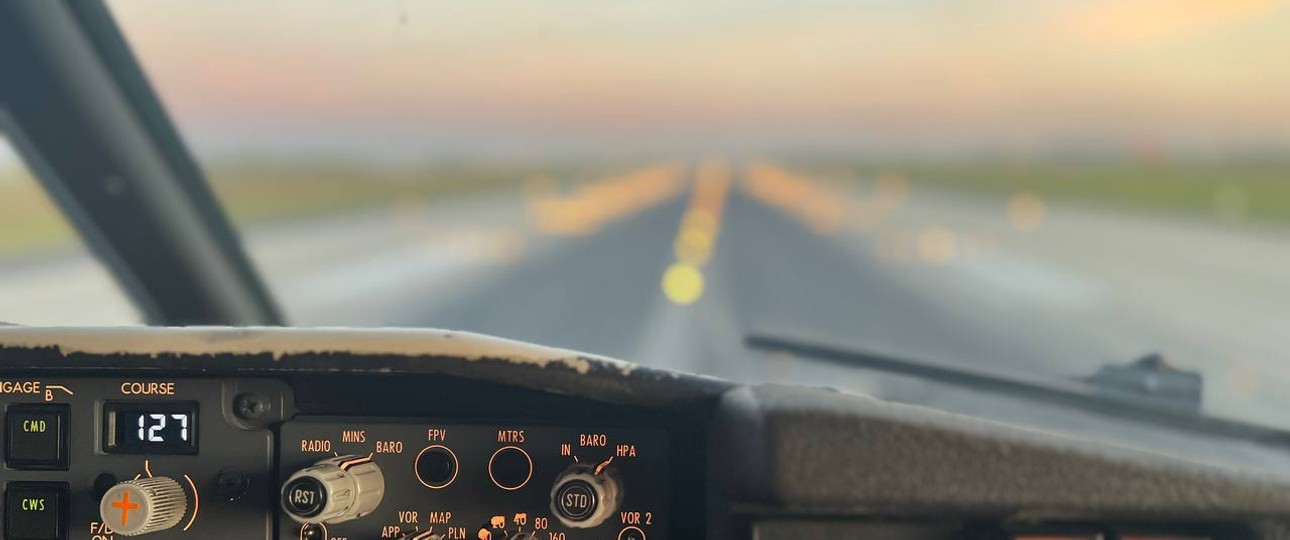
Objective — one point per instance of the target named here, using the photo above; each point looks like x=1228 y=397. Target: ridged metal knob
x=585 y=496
x=334 y=490
x=143 y=506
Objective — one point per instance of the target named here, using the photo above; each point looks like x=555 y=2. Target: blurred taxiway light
x=1026 y=211
x=506 y=247
x=893 y=246
x=1244 y=380
x=937 y=246
x=891 y=190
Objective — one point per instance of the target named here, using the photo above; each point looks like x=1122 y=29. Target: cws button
x=36 y=437
x=35 y=511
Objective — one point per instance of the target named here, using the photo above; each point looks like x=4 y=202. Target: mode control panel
x=114 y=457
x=431 y=480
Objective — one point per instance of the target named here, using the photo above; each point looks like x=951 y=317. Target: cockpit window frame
x=80 y=105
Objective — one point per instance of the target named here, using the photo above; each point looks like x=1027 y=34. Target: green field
x=1257 y=193
x=28 y=220
x=258 y=193
x=255 y=193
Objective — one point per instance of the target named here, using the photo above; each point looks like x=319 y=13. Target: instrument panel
x=466 y=438
x=198 y=458
x=443 y=480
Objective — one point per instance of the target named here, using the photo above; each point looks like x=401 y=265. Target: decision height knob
x=334 y=490
x=143 y=506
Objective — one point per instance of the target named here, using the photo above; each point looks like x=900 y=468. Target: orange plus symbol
x=126 y=506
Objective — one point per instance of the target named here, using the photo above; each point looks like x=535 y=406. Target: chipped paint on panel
x=280 y=342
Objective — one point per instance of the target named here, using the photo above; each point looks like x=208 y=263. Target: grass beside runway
x=28 y=219
x=255 y=193
x=259 y=193
x=1240 y=192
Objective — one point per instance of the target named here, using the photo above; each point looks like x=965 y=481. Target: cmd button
x=36 y=437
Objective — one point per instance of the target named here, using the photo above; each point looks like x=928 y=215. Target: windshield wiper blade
x=1153 y=379
x=1087 y=394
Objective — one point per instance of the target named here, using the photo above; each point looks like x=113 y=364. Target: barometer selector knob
x=143 y=506
x=334 y=490
x=584 y=496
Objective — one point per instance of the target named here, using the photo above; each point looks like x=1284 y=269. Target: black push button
x=37 y=437
x=312 y=531
x=304 y=497
x=35 y=511
x=436 y=467
x=510 y=468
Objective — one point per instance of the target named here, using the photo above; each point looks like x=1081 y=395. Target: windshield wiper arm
x=1088 y=394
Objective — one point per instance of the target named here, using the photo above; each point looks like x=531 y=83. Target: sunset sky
x=406 y=78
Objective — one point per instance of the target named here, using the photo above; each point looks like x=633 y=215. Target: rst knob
x=334 y=490
x=143 y=506
x=584 y=496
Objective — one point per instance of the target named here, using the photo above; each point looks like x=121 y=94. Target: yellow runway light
x=683 y=282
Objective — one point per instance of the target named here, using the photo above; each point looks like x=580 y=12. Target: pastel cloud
x=1104 y=67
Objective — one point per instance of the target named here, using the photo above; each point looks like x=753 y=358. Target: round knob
x=334 y=490
x=584 y=496
x=143 y=506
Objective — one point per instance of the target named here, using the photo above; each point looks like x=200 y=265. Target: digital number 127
x=150 y=434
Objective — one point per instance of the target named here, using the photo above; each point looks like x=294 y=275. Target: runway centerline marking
x=683 y=281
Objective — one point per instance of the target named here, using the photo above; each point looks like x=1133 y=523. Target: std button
x=575 y=500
